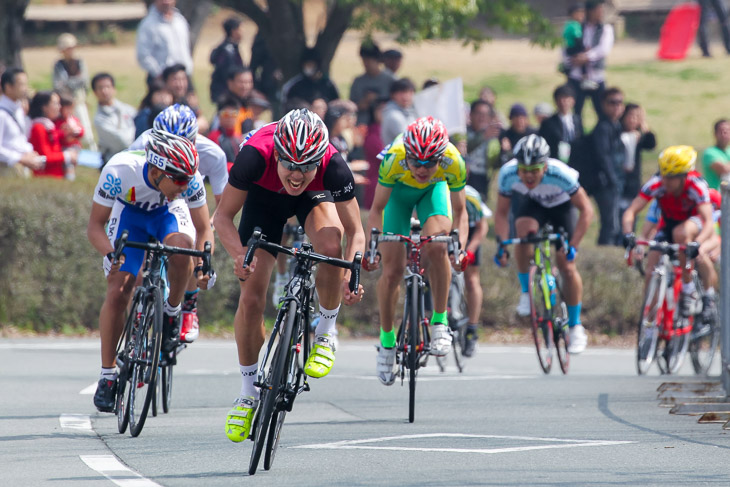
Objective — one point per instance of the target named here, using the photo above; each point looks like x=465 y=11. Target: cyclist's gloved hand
x=366 y=262
x=571 y=253
x=213 y=277
x=465 y=258
x=629 y=240
x=500 y=258
x=108 y=265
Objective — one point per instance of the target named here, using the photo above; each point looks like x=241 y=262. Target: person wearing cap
x=374 y=83
x=542 y=111
x=392 y=58
x=587 y=75
x=225 y=56
x=311 y=83
x=71 y=79
x=519 y=126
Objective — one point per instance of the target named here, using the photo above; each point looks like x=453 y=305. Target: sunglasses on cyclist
x=530 y=168
x=428 y=164
x=290 y=166
x=179 y=181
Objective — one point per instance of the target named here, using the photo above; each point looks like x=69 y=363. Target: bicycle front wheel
x=650 y=323
x=414 y=324
x=125 y=350
x=272 y=384
x=676 y=351
x=704 y=340
x=145 y=360
x=541 y=317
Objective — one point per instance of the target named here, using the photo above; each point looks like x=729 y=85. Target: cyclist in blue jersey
x=548 y=190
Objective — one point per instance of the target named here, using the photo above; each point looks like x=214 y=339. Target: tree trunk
x=11 y=31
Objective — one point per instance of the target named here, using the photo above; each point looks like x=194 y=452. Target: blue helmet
x=178 y=120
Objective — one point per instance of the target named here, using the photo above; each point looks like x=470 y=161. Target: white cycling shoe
x=385 y=365
x=578 y=339
x=440 y=340
x=523 y=307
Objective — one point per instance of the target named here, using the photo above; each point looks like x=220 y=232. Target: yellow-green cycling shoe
x=240 y=418
x=322 y=357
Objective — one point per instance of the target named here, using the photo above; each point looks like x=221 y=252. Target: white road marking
x=439 y=378
x=114 y=470
x=50 y=346
x=556 y=443
x=80 y=422
x=88 y=391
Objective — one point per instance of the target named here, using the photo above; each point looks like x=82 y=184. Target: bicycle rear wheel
x=272 y=384
x=561 y=336
x=542 y=326
x=650 y=323
x=144 y=362
x=166 y=386
x=414 y=323
x=704 y=340
x=676 y=351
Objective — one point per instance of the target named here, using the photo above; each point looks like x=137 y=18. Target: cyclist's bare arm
x=349 y=213
x=480 y=233
x=375 y=218
x=720 y=168
x=203 y=230
x=96 y=232
x=461 y=219
x=627 y=222
x=583 y=204
x=231 y=203
x=708 y=227
x=501 y=217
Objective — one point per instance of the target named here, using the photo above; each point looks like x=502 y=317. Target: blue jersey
x=558 y=185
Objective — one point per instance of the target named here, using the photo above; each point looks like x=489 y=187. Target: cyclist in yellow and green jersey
x=422 y=171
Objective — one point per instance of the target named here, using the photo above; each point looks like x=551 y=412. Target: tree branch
x=339 y=18
x=249 y=9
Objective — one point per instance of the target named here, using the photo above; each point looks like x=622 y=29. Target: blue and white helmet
x=179 y=120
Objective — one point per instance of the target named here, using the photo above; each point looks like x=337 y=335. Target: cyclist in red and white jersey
x=684 y=201
x=284 y=169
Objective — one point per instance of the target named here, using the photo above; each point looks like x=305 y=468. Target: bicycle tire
x=147 y=354
x=413 y=342
x=678 y=346
x=166 y=383
x=272 y=385
x=126 y=344
x=647 y=342
x=704 y=340
x=542 y=327
x=561 y=335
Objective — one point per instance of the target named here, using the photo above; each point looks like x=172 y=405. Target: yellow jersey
x=394 y=168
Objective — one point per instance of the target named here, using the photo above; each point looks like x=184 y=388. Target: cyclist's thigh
x=561 y=218
x=435 y=201
x=398 y=210
x=175 y=221
x=687 y=230
x=266 y=210
x=126 y=218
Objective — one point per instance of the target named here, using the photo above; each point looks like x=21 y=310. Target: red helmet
x=172 y=154
x=301 y=137
x=426 y=139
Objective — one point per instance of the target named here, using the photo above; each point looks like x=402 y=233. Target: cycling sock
x=574 y=315
x=248 y=375
x=190 y=302
x=171 y=310
x=524 y=278
x=387 y=338
x=688 y=287
x=439 y=318
x=327 y=320
x=472 y=327
x=710 y=292
x=108 y=373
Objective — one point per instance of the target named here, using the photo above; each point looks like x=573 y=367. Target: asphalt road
x=501 y=422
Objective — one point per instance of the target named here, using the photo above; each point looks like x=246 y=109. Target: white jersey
x=124 y=181
x=213 y=163
x=558 y=185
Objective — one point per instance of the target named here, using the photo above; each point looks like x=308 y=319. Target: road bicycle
x=548 y=311
x=663 y=332
x=413 y=340
x=139 y=355
x=458 y=319
x=281 y=375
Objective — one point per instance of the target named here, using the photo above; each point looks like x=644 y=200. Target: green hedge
x=52 y=278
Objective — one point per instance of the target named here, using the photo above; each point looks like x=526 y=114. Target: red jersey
x=677 y=208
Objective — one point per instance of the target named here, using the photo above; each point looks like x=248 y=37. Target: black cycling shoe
x=170 y=332
x=470 y=341
x=106 y=395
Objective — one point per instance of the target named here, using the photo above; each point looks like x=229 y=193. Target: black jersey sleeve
x=338 y=179
x=248 y=168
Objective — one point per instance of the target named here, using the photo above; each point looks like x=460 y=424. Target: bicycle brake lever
x=355 y=273
x=206 y=258
x=252 y=243
x=119 y=245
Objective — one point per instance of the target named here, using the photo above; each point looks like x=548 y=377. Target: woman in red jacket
x=45 y=107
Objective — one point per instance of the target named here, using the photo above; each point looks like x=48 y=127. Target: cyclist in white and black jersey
x=155 y=193
x=180 y=120
x=548 y=191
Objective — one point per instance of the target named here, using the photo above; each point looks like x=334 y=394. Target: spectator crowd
x=43 y=135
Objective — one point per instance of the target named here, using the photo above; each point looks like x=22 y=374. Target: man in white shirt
x=114 y=120
x=16 y=153
x=163 y=39
x=598 y=40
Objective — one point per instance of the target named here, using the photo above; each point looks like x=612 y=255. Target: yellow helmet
x=676 y=160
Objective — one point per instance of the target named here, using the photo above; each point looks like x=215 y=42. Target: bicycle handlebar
x=376 y=236
x=159 y=247
x=691 y=250
x=257 y=240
